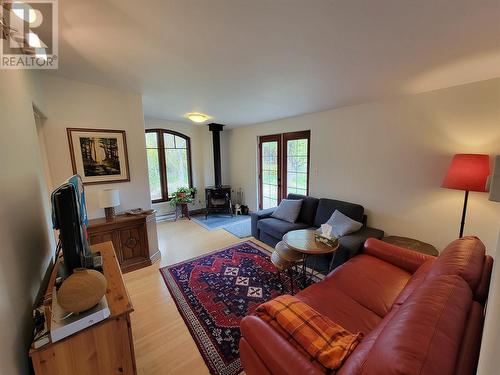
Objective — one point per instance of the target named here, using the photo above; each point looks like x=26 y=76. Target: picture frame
x=99 y=156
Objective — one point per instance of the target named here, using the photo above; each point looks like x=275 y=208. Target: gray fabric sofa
x=313 y=213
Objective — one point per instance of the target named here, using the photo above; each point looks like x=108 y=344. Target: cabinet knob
x=131 y=242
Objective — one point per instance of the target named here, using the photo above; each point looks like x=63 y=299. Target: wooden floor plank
x=163 y=344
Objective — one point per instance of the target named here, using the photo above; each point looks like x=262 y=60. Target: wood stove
x=217 y=197
x=218 y=200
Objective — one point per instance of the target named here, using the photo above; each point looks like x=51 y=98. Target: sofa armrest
x=354 y=242
x=256 y=216
x=274 y=351
x=406 y=259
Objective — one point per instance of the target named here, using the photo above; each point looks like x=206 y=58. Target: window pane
x=301 y=180
x=180 y=142
x=177 y=169
x=297 y=166
x=168 y=140
x=154 y=173
x=269 y=202
x=151 y=140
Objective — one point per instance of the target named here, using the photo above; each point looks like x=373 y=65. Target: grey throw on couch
x=313 y=213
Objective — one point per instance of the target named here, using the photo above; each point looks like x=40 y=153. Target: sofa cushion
x=278 y=355
x=354 y=364
x=340 y=307
x=308 y=209
x=326 y=207
x=463 y=257
x=370 y=281
x=312 y=333
x=277 y=228
x=288 y=210
x=425 y=334
x=343 y=224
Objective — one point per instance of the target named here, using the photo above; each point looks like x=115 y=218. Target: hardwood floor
x=163 y=344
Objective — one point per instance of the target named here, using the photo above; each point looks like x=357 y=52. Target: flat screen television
x=69 y=216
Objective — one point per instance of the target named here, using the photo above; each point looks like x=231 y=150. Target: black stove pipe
x=216 y=129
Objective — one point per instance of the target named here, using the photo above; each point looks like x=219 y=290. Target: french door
x=283 y=166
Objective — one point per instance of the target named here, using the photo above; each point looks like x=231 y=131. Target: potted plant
x=182 y=195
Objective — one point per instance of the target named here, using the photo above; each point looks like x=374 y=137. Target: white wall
x=490 y=344
x=202 y=158
x=72 y=104
x=25 y=230
x=391 y=157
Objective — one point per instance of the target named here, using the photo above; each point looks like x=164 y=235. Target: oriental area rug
x=215 y=291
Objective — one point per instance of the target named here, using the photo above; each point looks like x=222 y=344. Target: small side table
x=412 y=244
x=303 y=241
x=181 y=209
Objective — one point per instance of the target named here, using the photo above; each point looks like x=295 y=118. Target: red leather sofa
x=419 y=314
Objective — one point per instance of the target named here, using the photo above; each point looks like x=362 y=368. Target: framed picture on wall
x=99 y=156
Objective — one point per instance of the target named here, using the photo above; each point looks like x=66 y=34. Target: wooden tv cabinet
x=102 y=349
x=134 y=238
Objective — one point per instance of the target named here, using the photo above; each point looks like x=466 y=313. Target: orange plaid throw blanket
x=313 y=334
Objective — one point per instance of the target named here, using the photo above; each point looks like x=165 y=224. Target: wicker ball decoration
x=82 y=290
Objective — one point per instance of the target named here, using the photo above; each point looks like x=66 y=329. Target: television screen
x=69 y=215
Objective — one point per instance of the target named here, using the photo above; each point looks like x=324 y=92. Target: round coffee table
x=303 y=241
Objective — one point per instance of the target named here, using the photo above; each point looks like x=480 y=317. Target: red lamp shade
x=468 y=172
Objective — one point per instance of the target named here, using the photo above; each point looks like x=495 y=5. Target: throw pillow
x=322 y=340
x=288 y=210
x=342 y=224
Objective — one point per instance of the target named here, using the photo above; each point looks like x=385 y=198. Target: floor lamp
x=467 y=172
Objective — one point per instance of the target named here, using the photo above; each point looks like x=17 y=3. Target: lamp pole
x=462 y=223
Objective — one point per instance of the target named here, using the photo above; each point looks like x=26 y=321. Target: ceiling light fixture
x=197 y=117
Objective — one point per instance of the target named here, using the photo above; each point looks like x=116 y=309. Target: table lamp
x=109 y=199
x=467 y=172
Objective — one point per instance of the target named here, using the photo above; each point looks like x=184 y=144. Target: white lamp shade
x=495 y=181
x=109 y=198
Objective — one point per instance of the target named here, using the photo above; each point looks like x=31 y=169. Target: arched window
x=169 y=162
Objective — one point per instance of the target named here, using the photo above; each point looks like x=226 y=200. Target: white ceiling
x=249 y=61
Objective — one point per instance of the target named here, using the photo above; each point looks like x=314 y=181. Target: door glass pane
x=269 y=174
x=297 y=166
x=177 y=169
x=154 y=173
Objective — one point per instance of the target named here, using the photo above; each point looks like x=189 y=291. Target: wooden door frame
x=304 y=134
x=270 y=138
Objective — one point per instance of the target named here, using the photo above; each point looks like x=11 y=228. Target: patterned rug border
x=185 y=312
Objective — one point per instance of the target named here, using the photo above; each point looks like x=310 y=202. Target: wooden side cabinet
x=134 y=238
x=104 y=348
